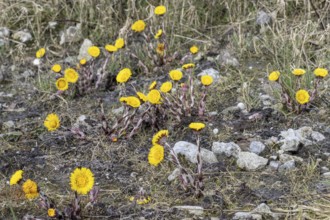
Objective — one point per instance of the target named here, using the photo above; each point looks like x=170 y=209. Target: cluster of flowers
x=187 y=179
x=81 y=181
x=294 y=95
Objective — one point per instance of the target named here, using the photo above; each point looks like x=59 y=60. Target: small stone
x=83 y=54
x=9 y=124
x=215 y=131
x=257 y=147
x=274 y=165
x=246 y=216
x=23 y=36
x=118 y=111
x=273 y=157
x=211 y=72
x=36 y=62
x=324 y=169
x=271 y=141
x=241 y=106
x=317 y=136
x=72 y=34
x=190 y=152
x=195 y=210
x=229 y=149
x=214 y=113
x=227 y=59
x=263 y=18
x=289 y=165
x=250 y=161
x=174 y=174
x=326 y=175
x=52 y=24
x=286 y=157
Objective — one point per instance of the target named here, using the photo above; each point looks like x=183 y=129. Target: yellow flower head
x=158 y=34
x=197 y=126
x=298 y=72
x=120 y=43
x=110 y=48
x=16 y=177
x=142 y=96
x=188 y=66
x=156 y=155
x=321 y=72
x=302 y=96
x=82 y=180
x=141 y=200
x=56 y=68
x=52 y=122
x=175 y=75
x=274 y=76
x=83 y=61
x=71 y=75
x=207 y=80
x=51 y=212
x=123 y=75
x=138 y=26
x=133 y=101
x=160 y=49
x=62 y=84
x=123 y=99
x=30 y=188
x=154 y=96
x=160 y=137
x=153 y=85
x=160 y=10
x=94 y=51
x=194 y=49
x=166 y=87
x=40 y=53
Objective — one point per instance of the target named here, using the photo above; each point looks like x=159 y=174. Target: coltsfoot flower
x=52 y=122
x=320 y=72
x=141 y=200
x=207 y=80
x=154 y=97
x=160 y=10
x=194 y=49
x=302 y=96
x=16 y=177
x=175 y=75
x=30 y=188
x=156 y=155
x=133 y=101
x=158 y=34
x=120 y=43
x=138 y=26
x=142 y=96
x=160 y=49
x=62 y=84
x=160 y=137
x=56 y=68
x=153 y=85
x=188 y=66
x=82 y=180
x=51 y=212
x=94 y=51
x=111 y=48
x=197 y=126
x=166 y=87
x=71 y=75
x=83 y=61
x=298 y=72
x=274 y=76
x=40 y=53
x=123 y=75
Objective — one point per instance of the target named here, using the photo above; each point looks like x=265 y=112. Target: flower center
x=81 y=181
x=61 y=84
